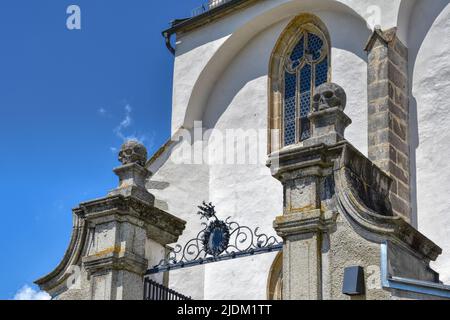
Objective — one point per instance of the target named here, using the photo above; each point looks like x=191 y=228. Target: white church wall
x=429 y=49
x=179 y=189
x=245 y=191
x=189 y=63
x=203 y=53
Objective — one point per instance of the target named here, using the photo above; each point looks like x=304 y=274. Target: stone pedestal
x=307 y=216
x=301 y=255
x=116 y=239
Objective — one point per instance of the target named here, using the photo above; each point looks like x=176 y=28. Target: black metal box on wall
x=354 y=281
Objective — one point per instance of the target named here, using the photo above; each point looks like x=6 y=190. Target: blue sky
x=67 y=98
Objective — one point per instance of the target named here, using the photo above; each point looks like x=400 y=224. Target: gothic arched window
x=300 y=63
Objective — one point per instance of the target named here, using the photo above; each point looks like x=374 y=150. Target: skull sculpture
x=133 y=152
x=329 y=95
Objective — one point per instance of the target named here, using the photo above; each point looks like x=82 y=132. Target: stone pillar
x=118 y=239
x=303 y=171
x=389 y=114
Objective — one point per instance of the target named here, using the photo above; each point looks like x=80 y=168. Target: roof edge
x=188 y=24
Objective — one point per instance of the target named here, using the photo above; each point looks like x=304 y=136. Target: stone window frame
x=288 y=39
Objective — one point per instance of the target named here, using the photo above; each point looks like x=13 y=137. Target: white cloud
x=124 y=129
x=28 y=293
x=125 y=123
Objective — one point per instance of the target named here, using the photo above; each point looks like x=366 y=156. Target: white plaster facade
x=221 y=79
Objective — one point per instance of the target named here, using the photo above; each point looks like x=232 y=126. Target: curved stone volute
x=362 y=191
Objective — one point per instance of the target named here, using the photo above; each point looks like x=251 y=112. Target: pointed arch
x=300 y=61
x=275 y=279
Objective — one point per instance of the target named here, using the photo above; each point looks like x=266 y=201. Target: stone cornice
x=117 y=261
x=299 y=157
x=152 y=216
x=305 y=222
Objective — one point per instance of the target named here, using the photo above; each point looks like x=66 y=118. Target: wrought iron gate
x=157 y=292
x=217 y=241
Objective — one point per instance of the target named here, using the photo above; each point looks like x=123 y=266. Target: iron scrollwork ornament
x=217 y=235
x=218 y=240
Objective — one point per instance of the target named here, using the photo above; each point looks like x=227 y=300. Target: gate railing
x=217 y=241
x=157 y=292
x=211 y=4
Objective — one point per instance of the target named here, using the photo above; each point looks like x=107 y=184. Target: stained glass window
x=290 y=107
x=306 y=67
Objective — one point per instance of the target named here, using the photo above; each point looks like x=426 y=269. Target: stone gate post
x=115 y=239
x=304 y=170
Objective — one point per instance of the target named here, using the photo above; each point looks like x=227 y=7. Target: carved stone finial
x=133 y=174
x=133 y=151
x=328 y=120
x=329 y=95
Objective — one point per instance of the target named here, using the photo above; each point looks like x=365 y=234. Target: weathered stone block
x=377 y=71
x=398 y=173
x=302 y=195
x=379 y=121
x=403 y=191
x=399 y=48
x=379 y=152
x=397 y=110
x=400 y=206
x=392 y=153
x=377 y=90
x=397 y=77
x=378 y=137
x=379 y=105
x=401 y=100
x=403 y=162
x=399 y=144
x=398 y=127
